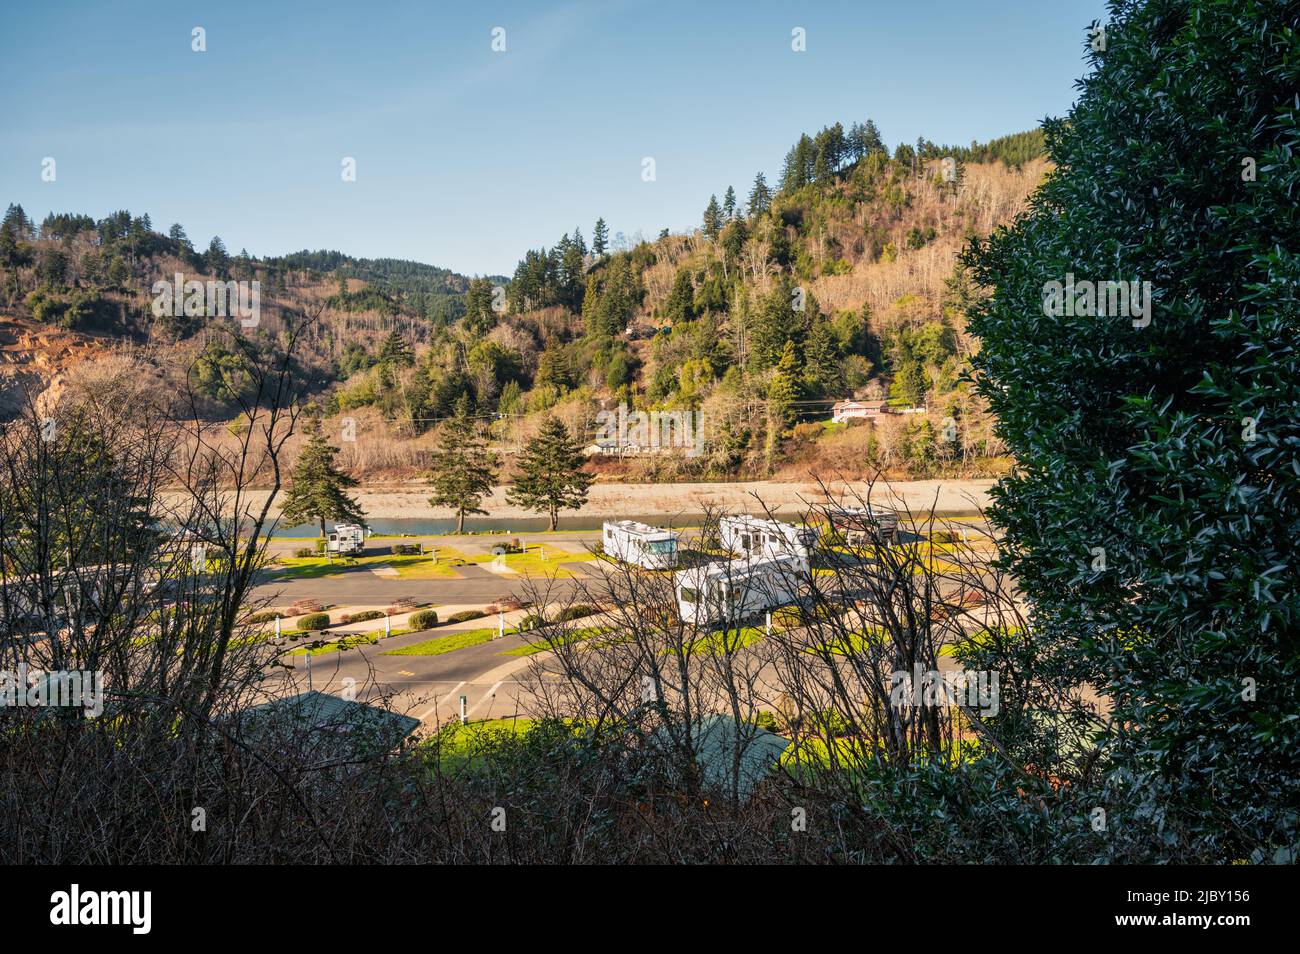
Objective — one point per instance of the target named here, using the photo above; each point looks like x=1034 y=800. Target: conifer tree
x=680 y=305
x=318 y=489
x=464 y=470
x=551 y=476
x=395 y=351
x=712 y=218
x=760 y=196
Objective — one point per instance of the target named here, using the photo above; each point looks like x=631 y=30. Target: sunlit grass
x=449 y=643
x=532 y=563
x=576 y=636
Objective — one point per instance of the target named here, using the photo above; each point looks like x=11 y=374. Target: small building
x=863 y=524
x=849 y=410
x=652 y=548
x=726 y=592
x=746 y=535
x=730 y=757
x=327 y=725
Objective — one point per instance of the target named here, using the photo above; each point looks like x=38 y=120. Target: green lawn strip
x=850 y=643
x=449 y=643
x=531 y=563
x=407 y=566
x=461 y=746
x=349 y=641
x=727 y=641
x=576 y=636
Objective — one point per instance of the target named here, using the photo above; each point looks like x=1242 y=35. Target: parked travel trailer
x=729 y=591
x=745 y=535
x=653 y=548
x=347 y=539
x=864 y=524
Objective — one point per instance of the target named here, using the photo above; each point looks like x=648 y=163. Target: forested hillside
x=838 y=280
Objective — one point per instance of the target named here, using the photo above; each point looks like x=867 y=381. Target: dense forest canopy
x=839 y=281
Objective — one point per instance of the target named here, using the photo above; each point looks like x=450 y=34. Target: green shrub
x=265 y=617
x=405 y=549
x=464 y=615
x=363 y=616
x=767 y=720
x=576 y=611
x=303 y=552
x=1151 y=521
x=424 y=619
x=314 y=621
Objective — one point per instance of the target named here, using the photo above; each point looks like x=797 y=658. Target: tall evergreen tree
x=760 y=196
x=680 y=305
x=479 y=315
x=464 y=470
x=317 y=488
x=600 y=239
x=729 y=204
x=783 y=390
x=217 y=261
x=395 y=352
x=712 y=218
x=551 y=477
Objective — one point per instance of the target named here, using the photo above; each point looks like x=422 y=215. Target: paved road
x=426 y=686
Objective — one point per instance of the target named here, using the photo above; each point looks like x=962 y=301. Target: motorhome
x=746 y=535
x=652 y=548
x=729 y=591
x=347 y=539
x=860 y=525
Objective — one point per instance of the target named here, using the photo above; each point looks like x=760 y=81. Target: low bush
x=576 y=611
x=363 y=616
x=424 y=619
x=303 y=552
x=265 y=617
x=465 y=615
x=406 y=549
x=314 y=621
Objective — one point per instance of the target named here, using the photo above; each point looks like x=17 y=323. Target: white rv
x=864 y=524
x=747 y=536
x=729 y=591
x=652 y=548
x=347 y=539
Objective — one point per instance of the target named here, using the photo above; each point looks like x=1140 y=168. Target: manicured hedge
x=464 y=615
x=424 y=619
x=314 y=621
x=576 y=611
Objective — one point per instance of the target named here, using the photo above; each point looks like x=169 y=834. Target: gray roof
x=715 y=740
x=319 y=712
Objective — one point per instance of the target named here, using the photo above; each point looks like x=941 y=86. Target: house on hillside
x=850 y=410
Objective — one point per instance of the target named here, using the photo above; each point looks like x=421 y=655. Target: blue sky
x=466 y=157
